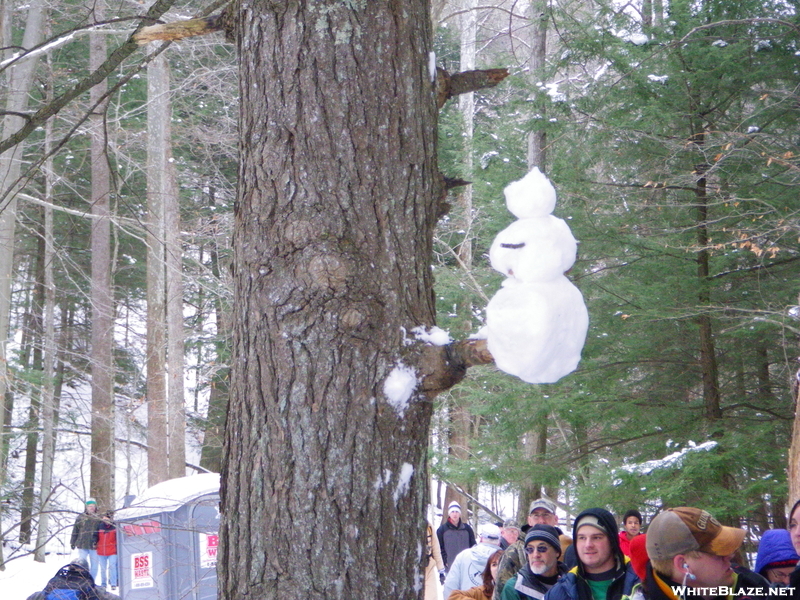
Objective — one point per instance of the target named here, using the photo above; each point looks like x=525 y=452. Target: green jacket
x=84 y=532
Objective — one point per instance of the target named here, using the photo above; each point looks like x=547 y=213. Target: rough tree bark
x=324 y=479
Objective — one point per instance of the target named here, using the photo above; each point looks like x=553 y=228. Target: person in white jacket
x=467 y=568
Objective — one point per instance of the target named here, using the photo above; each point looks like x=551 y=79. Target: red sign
x=144 y=528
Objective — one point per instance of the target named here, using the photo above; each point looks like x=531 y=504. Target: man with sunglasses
x=543 y=569
x=541 y=512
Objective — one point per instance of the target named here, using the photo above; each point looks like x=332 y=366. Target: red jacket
x=625 y=543
x=106 y=539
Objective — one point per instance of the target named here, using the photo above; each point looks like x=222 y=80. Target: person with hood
x=543 y=568
x=776 y=558
x=84 y=535
x=454 y=535
x=73 y=582
x=603 y=572
x=485 y=591
x=690 y=557
x=466 y=570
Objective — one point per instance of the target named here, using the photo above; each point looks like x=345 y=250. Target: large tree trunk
x=19 y=80
x=102 y=463
x=325 y=480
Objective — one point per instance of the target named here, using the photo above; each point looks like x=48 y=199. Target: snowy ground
x=23 y=576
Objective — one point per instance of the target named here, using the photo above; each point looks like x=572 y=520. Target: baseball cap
x=489 y=530
x=683 y=529
x=511 y=524
x=542 y=503
x=592 y=521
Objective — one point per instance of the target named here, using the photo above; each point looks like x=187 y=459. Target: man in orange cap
x=690 y=556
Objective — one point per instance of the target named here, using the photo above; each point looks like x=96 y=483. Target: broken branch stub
x=465 y=81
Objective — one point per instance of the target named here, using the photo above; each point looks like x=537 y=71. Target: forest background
x=669 y=130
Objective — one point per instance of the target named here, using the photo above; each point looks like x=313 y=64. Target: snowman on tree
x=536 y=323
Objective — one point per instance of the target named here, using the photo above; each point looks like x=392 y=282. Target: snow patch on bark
x=403 y=481
x=399 y=386
x=432 y=335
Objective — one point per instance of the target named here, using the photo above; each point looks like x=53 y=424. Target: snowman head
x=531 y=196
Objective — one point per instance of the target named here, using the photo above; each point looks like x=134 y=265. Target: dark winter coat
x=84 y=532
x=573 y=585
x=515 y=558
x=72 y=581
x=453 y=539
x=525 y=584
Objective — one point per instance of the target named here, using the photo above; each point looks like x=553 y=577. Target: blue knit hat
x=775 y=551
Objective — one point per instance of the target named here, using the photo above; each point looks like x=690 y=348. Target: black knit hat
x=544 y=533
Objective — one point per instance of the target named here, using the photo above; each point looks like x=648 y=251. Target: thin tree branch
x=107 y=68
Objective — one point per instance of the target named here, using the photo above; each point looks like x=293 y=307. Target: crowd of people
x=685 y=552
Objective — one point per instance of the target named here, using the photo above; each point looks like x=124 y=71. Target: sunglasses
x=540 y=549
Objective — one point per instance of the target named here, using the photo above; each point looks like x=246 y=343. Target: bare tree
x=537 y=139
x=158 y=187
x=49 y=404
x=165 y=416
x=173 y=288
x=102 y=461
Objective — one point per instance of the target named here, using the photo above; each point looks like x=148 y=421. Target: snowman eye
x=513 y=246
